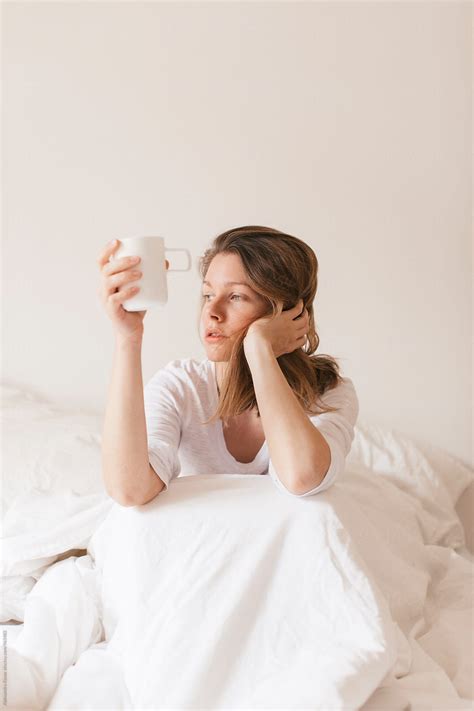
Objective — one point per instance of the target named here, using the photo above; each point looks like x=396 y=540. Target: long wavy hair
x=282 y=269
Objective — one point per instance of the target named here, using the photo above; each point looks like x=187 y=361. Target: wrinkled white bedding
x=225 y=593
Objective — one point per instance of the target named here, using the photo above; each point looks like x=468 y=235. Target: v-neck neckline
x=220 y=430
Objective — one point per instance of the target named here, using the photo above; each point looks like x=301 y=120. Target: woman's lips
x=214 y=339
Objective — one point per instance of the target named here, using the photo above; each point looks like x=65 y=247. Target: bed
x=226 y=593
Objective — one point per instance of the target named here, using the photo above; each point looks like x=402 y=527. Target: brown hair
x=282 y=269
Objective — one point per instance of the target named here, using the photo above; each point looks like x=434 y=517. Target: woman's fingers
x=302 y=321
x=297 y=311
x=109 y=249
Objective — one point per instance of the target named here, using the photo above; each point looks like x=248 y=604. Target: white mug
x=153 y=282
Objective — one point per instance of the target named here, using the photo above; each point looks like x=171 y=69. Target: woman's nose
x=215 y=310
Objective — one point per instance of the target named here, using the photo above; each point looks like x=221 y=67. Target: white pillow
x=414 y=466
x=47 y=447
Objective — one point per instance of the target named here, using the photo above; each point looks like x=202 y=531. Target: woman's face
x=227 y=308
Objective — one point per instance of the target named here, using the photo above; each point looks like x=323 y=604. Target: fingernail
x=114 y=241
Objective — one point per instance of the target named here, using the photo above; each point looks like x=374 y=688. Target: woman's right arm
x=127 y=473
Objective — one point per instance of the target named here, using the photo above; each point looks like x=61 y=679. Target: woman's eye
x=237 y=296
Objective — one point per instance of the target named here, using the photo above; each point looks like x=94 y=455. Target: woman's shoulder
x=190 y=371
x=342 y=395
x=181 y=383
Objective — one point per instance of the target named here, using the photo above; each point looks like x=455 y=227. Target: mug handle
x=176 y=249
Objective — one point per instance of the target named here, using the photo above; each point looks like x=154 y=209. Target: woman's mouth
x=214 y=339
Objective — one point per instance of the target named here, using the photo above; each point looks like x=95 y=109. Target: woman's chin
x=217 y=351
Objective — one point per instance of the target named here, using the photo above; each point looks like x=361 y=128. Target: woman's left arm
x=299 y=452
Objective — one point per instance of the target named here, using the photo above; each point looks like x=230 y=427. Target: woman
x=254 y=405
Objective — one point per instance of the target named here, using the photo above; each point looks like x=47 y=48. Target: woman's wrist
x=129 y=342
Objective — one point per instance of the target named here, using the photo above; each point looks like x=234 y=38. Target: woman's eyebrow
x=230 y=283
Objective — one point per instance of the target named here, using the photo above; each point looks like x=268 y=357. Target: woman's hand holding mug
x=130 y=287
x=115 y=288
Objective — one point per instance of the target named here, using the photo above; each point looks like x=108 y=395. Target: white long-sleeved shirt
x=182 y=394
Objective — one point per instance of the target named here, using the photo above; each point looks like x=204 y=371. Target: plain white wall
x=346 y=124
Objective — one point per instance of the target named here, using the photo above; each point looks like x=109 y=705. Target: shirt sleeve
x=337 y=429
x=164 y=400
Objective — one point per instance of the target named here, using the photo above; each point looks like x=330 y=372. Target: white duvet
x=225 y=593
